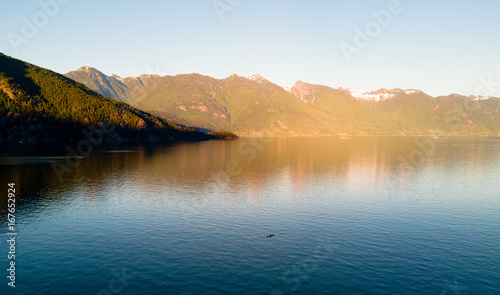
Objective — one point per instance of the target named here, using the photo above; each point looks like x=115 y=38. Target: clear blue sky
x=440 y=47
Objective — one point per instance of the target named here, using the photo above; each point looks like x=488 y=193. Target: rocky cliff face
x=303 y=91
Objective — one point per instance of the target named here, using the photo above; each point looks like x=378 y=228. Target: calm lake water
x=366 y=215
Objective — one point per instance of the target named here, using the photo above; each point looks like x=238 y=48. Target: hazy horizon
x=439 y=48
x=284 y=86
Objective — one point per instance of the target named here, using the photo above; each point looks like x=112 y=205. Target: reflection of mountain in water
x=235 y=170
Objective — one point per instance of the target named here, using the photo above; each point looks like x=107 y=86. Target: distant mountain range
x=256 y=106
x=38 y=105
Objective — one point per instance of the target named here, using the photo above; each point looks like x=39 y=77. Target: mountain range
x=39 y=105
x=254 y=106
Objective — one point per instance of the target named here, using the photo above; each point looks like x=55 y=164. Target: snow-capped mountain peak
x=412 y=91
x=85 y=69
x=257 y=78
x=378 y=95
x=481 y=97
x=149 y=75
x=117 y=77
x=381 y=94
